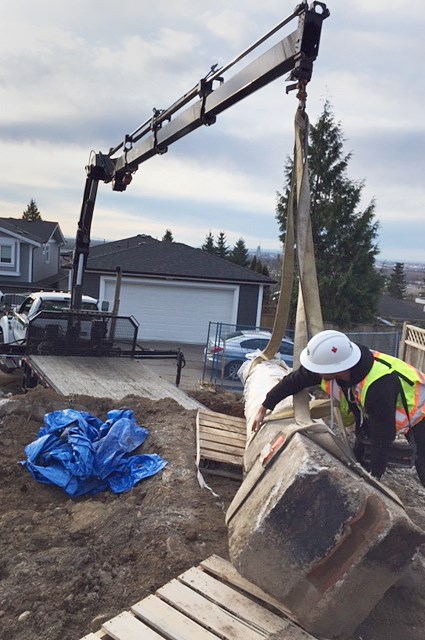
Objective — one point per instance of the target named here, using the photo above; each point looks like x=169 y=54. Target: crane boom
x=212 y=95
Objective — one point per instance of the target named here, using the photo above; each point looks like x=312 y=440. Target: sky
x=78 y=76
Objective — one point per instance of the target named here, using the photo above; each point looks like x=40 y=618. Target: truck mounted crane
x=293 y=55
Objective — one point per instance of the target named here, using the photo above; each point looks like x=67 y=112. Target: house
x=29 y=255
x=174 y=291
x=398 y=311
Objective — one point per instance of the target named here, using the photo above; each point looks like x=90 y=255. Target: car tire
x=231 y=370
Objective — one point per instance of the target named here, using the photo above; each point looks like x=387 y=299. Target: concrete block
x=320 y=539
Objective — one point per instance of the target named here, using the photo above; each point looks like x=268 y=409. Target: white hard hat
x=330 y=352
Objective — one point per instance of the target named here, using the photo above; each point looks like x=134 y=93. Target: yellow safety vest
x=412 y=382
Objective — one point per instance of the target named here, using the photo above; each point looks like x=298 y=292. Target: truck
x=44 y=325
x=14 y=325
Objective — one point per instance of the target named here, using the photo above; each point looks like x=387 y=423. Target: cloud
x=79 y=76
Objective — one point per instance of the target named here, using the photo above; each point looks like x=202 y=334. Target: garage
x=179 y=311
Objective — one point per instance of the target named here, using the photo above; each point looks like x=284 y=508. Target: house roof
x=33 y=231
x=400 y=310
x=144 y=256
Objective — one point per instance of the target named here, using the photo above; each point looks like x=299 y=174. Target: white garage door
x=175 y=311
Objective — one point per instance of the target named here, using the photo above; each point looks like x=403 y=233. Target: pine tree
x=258 y=266
x=345 y=238
x=239 y=253
x=168 y=236
x=397 y=285
x=253 y=264
x=221 y=248
x=31 y=212
x=208 y=245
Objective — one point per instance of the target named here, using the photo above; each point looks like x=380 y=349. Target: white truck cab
x=14 y=326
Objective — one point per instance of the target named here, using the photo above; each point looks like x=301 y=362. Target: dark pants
x=417 y=434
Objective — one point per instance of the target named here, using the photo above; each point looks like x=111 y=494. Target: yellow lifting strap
x=298 y=234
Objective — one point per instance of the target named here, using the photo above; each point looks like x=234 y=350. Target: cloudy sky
x=77 y=76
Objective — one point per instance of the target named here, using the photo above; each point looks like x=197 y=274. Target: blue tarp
x=83 y=455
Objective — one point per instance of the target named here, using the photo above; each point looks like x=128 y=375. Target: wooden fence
x=412 y=346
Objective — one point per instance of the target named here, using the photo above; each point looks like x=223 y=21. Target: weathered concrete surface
x=320 y=539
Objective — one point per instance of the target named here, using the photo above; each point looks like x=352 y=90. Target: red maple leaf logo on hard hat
x=334 y=349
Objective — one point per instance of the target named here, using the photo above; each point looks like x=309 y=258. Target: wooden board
x=112 y=378
x=208 y=602
x=221 y=443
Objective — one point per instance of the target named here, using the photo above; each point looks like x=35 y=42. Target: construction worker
x=385 y=395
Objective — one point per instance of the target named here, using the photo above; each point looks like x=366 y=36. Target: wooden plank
x=206 y=613
x=220 y=456
x=221 y=420
x=107 y=378
x=207 y=446
x=231 y=600
x=219 y=423
x=218 y=420
x=168 y=621
x=223 y=436
x=225 y=417
x=126 y=626
x=226 y=571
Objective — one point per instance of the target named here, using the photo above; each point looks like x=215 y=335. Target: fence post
x=401 y=347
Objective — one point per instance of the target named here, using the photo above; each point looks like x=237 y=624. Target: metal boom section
x=213 y=94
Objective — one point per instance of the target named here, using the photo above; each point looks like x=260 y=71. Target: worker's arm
x=294 y=382
x=380 y=410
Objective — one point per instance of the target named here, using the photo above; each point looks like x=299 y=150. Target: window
x=6 y=254
x=46 y=253
x=287 y=348
x=26 y=306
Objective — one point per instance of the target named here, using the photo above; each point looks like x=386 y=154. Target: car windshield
x=59 y=305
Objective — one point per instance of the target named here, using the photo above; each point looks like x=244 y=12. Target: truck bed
x=112 y=378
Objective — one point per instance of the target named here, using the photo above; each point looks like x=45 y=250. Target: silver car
x=227 y=354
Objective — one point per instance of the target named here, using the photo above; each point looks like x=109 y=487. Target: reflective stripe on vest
x=413 y=384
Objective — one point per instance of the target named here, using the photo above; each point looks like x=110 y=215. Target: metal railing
x=81 y=333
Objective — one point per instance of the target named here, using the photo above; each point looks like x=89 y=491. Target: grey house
x=29 y=255
x=399 y=311
x=174 y=290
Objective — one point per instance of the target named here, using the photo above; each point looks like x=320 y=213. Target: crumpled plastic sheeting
x=83 y=455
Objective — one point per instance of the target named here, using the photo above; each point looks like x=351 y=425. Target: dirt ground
x=67 y=565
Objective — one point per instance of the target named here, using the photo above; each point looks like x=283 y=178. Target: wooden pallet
x=208 y=602
x=220 y=443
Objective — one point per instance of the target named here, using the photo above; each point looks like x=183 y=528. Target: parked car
x=228 y=354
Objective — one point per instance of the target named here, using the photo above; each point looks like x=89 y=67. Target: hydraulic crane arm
x=212 y=95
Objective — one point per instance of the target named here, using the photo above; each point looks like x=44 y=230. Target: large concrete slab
x=319 y=538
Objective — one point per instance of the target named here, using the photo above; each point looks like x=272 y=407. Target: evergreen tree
x=208 y=245
x=31 y=212
x=265 y=270
x=168 y=236
x=239 y=253
x=259 y=267
x=253 y=264
x=397 y=285
x=345 y=239
x=221 y=248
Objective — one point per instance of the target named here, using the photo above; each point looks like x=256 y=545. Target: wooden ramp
x=220 y=443
x=112 y=378
x=208 y=602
